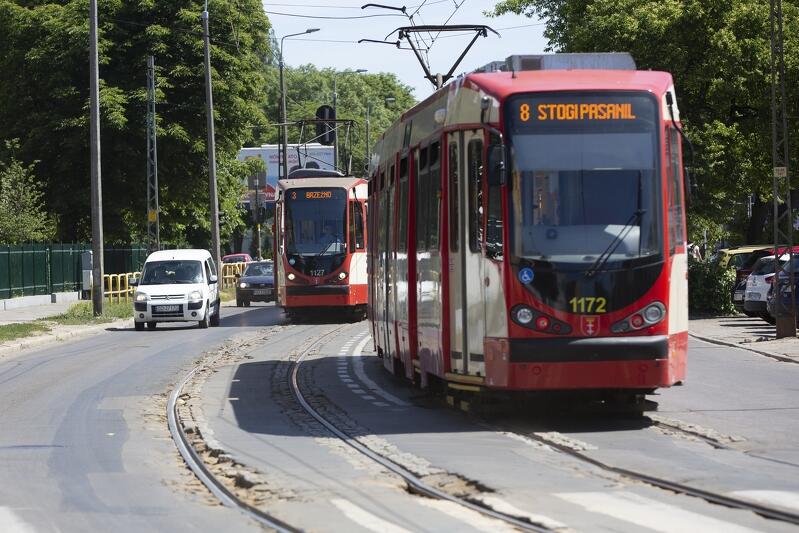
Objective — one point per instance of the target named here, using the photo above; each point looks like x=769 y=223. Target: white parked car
x=758 y=284
x=177 y=286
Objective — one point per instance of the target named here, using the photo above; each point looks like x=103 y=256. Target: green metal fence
x=30 y=269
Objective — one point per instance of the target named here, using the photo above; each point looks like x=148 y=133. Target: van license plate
x=166 y=308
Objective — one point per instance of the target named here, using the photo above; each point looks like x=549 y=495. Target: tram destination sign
x=535 y=110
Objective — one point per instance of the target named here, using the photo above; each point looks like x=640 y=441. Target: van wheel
x=215 y=317
x=151 y=325
x=139 y=326
x=206 y=320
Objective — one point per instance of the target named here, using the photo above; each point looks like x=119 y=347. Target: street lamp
x=284 y=131
x=335 y=114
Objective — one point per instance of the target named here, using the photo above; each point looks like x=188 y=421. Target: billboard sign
x=310 y=156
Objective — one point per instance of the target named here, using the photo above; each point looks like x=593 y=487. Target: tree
x=23 y=217
x=308 y=87
x=44 y=103
x=719 y=54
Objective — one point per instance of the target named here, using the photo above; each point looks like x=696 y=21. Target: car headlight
x=243 y=285
x=141 y=297
x=291 y=276
x=195 y=295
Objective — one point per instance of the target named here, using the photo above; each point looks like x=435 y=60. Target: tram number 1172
x=588 y=304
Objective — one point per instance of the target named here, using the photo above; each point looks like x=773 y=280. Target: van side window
x=207 y=272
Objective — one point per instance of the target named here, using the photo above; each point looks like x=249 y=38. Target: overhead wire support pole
x=212 y=188
x=98 y=269
x=153 y=229
x=783 y=214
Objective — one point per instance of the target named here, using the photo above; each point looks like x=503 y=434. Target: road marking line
x=358 y=391
x=787 y=499
x=11 y=523
x=381 y=404
x=353 y=385
x=367 y=397
x=371 y=385
x=472 y=518
x=649 y=513
x=346 y=380
x=501 y=506
x=366 y=519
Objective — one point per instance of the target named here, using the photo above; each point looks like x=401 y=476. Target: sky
x=335 y=44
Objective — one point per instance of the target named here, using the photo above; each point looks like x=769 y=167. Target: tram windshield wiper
x=602 y=260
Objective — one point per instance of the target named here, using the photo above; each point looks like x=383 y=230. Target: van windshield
x=171 y=272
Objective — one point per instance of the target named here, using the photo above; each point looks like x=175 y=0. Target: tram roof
x=345 y=182
x=503 y=84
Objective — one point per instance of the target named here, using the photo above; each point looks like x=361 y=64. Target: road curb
x=38 y=341
x=776 y=357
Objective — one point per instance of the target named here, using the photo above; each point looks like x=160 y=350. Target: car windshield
x=259 y=269
x=234 y=259
x=585 y=178
x=170 y=272
x=764 y=265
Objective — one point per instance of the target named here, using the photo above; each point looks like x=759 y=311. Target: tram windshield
x=585 y=187
x=315 y=220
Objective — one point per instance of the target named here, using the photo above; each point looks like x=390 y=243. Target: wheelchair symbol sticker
x=526 y=275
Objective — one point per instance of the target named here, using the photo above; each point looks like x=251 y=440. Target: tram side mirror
x=496 y=164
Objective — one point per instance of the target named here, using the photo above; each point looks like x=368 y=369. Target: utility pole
x=257 y=212
x=335 y=131
x=209 y=104
x=368 y=143
x=783 y=222
x=153 y=229
x=98 y=280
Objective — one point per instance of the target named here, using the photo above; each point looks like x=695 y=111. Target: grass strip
x=82 y=313
x=10 y=332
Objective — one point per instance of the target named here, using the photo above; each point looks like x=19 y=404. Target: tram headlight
x=524 y=315
x=291 y=276
x=342 y=275
x=654 y=313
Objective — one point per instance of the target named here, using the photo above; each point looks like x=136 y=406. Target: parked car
x=736 y=256
x=784 y=289
x=741 y=273
x=256 y=284
x=757 y=286
x=236 y=258
x=177 y=286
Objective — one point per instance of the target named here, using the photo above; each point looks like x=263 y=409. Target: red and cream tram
x=529 y=232
x=320 y=243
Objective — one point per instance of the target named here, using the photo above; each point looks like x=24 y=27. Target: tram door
x=390 y=270
x=467 y=291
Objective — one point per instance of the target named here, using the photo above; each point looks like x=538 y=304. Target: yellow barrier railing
x=229 y=271
x=117 y=287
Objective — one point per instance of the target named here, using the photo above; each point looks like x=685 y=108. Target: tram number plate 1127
x=588 y=304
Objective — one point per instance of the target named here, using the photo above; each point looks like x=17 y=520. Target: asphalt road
x=84 y=444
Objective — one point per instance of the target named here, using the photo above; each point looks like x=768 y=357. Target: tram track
x=415 y=483
x=665 y=484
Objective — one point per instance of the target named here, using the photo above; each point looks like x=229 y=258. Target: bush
x=710 y=288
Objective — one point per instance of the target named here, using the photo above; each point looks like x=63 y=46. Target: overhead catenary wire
x=327 y=17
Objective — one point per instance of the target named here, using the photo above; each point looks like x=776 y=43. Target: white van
x=177 y=286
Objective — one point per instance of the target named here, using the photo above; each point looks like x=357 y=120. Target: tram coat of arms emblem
x=589 y=325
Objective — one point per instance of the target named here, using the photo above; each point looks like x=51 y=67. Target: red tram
x=529 y=232
x=320 y=243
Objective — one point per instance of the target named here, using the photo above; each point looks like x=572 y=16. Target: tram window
x=422 y=194
x=434 y=196
x=494 y=210
x=676 y=229
x=475 y=179
x=402 y=213
x=454 y=199
x=356 y=225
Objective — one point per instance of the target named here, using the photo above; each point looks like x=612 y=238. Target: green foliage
x=82 y=313
x=23 y=217
x=44 y=103
x=719 y=54
x=710 y=288
x=10 y=332
x=308 y=87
